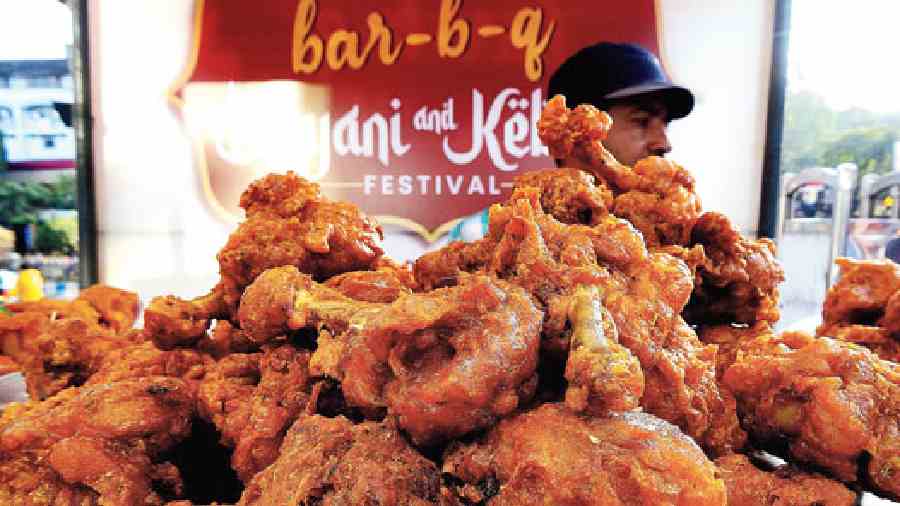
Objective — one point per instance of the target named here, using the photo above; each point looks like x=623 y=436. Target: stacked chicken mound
x=555 y=361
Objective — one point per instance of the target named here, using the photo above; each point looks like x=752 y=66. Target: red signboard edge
x=404 y=223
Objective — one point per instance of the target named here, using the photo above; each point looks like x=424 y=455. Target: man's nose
x=659 y=141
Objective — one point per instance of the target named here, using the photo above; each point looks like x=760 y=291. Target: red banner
x=420 y=112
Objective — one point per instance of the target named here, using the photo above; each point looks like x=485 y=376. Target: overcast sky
x=847 y=52
x=34 y=29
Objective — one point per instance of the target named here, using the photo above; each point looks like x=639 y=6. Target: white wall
x=722 y=51
x=156 y=235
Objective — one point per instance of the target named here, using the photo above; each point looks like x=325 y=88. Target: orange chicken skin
x=252 y=399
x=446 y=362
x=740 y=277
x=836 y=405
x=385 y=283
x=643 y=293
x=67 y=352
x=863 y=307
x=553 y=456
x=118 y=308
x=96 y=444
x=657 y=196
x=749 y=485
x=330 y=461
x=289 y=222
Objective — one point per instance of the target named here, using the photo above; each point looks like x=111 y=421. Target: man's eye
x=642 y=121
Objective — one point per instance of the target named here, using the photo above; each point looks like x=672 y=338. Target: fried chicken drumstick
x=834 y=404
x=739 y=278
x=443 y=363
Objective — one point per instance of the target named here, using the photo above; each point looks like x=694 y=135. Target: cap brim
x=679 y=100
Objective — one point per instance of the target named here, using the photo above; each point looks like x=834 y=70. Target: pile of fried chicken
x=607 y=342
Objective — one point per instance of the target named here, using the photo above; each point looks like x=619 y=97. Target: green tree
x=871 y=149
x=816 y=135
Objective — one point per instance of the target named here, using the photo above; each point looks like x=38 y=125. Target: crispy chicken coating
x=728 y=339
x=118 y=308
x=103 y=309
x=570 y=195
x=170 y=321
x=145 y=360
x=863 y=307
x=740 y=276
x=446 y=362
x=252 y=399
x=386 y=283
x=66 y=353
x=749 y=485
x=96 y=444
x=553 y=456
x=658 y=197
x=643 y=292
x=330 y=461
x=283 y=299
x=601 y=374
x=289 y=222
x=835 y=404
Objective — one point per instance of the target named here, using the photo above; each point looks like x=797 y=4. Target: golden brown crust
x=832 y=402
x=552 y=456
x=749 y=485
x=290 y=223
x=330 y=461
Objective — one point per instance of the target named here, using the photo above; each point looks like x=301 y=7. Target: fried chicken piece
x=24 y=481
x=384 y=284
x=225 y=339
x=863 y=307
x=878 y=339
x=862 y=292
x=552 y=456
x=657 y=196
x=29 y=319
x=740 y=276
x=252 y=399
x=283 y=299
x=171 y=322
x=643 y=292
x=118 y=308
x=330 y=461
x=728 y=339
x=97 y=444
x=601 y=374
x=289 y=222
x=749 y=485
x=835 y=404
x=8 y=365
x=570 y=195
x=443 y=363
x=66 y=353
x=145 y=360
x=446 y=362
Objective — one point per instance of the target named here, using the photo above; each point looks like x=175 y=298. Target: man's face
x=638 y=131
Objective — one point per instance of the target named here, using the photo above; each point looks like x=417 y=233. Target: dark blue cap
x=606 y=72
